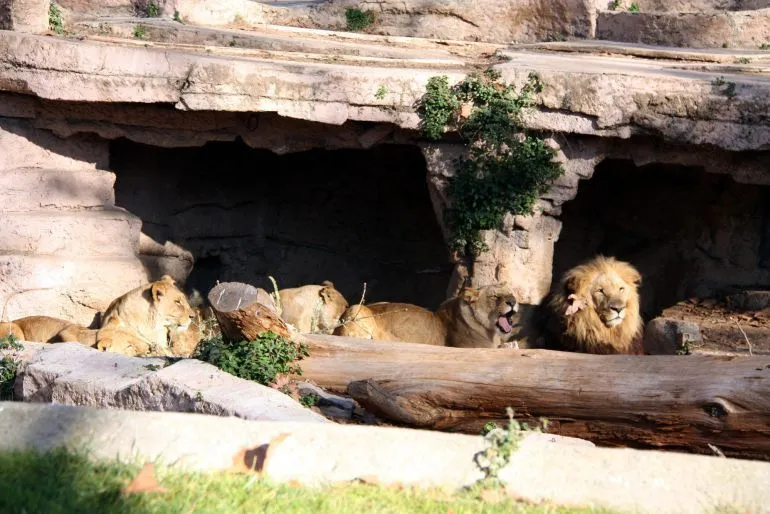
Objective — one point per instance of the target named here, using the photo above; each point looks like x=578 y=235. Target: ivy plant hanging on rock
x=506 y=168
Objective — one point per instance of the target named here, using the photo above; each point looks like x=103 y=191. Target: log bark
x=244 y=311
x=667 y=402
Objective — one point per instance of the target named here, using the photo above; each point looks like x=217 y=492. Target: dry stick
x=276 y=294
x=745 y=337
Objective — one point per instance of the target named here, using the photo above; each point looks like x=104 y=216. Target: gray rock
x=670 y=336
x=749 y=300
x=72 y=374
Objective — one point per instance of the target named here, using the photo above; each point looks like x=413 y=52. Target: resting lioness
x=475 y=318
x=313 y=308
x=152 y=313
x=46 y=329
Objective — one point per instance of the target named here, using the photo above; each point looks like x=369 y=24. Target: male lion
x=311 y=305
x=476 y=318
x=595 y=308
x=152 y=313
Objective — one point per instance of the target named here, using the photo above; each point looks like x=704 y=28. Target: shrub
x=506 y=169
x=358 y=19
x=261 y=360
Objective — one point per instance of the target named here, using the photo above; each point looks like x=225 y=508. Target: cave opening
x=690 y=233
x=348 y=216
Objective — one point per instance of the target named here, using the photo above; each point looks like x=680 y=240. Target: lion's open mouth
x=505 y=322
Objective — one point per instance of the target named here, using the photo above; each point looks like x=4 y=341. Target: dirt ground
x=725 y=329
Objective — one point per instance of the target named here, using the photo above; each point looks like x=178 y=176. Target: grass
x=55 y=23
x=66 y=482
x=357 y=19
x=140 y=32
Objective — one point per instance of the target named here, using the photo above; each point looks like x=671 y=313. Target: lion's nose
x=617 y=308
x=514 y=305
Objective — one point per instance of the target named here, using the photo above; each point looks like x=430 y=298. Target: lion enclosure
x=212 y=196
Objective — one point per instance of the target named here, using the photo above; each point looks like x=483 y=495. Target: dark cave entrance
x=690 y=233
x=349 y=216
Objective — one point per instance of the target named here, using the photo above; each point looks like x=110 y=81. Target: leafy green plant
x=729 y=87
x=8 y=367
x=381 y=92
x=152 y=10
x=260 y=360
x=764 y=46
x=309 y=400
x=614 y=5
x=55 y=22
x=178 y=17
x=357 y=19
x=140 y=32
x=501 y=443
x=506 y=169
x=634 y=8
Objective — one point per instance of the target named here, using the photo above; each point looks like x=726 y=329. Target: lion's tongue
x=504 y=324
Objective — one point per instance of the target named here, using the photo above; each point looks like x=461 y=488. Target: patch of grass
x=634 y=8
x=506 y=169
x=65 y=482
x=742 y=60
x=8 y=367
x=724 y=87
x=261 y=360
x=140 y=32
x=381 y=92
x=178 y=17
x=152 y=367
x=152 y=10
x=55 y=22
x=357 y=19
x=309 y=400
x=764 y=46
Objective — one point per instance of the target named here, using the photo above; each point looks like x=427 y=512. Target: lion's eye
x=622 y=289
x=601 y=291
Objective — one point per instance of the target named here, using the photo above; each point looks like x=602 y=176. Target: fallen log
x=244 y=311
x=668 y=402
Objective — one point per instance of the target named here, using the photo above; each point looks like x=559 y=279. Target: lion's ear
x=469 y=294
x=571 y=284
x=159 y=288
x=635 y=277
x=168 y=279
x=327 y=283
x=326 y=292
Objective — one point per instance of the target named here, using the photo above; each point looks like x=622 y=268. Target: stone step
x=23 y=189
x=69 y=288
x=85 y=233
x=707 y=29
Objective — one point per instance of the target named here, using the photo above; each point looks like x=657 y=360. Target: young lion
x=152 y=313
x=476 y=318
x=595 y=309
x=306 y=305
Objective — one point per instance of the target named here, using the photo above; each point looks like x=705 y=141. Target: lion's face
x=493 y=308
x=171 y=304
x=610 y=295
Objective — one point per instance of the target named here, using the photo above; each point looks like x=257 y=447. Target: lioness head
x=170 y=304
x=333 y=305
x=492 y=309
x=608 y=286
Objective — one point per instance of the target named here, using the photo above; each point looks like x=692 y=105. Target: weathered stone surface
x=670 y=336
x=331 y=405
x=25 y=189
x=111 y=232
x=24 y=15
x=749 y=300
x=34 y=148
x=70 y=288
x=69 y=373
x=540 y=470
x=713 y=29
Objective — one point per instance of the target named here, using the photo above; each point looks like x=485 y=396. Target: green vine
x=506 y=169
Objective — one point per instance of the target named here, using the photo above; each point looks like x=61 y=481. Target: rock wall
x=65 y=249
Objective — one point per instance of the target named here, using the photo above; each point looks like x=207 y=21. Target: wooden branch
x=244 y=311
x=667 y=402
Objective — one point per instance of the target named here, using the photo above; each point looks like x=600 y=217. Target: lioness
x=308 y=305
x=475 y=318
x=152 y=313
x=595 y=308
x=10 y=329
x=46 y=329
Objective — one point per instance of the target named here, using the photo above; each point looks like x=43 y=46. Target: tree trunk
x=668 y=402
x=244 y=311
